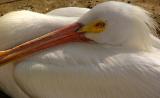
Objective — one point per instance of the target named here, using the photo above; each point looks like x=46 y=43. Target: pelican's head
x=110 y=23
x=118 y=24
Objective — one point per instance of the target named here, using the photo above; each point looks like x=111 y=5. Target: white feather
x=21 y=26
x=18 y=27
x=69 y=12
x=88 y=70
x=67 y=72
x=94 y=71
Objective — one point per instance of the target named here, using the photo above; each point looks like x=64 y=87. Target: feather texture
x=84 y=70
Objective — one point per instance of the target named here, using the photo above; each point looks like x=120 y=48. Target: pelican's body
x=111 y=72
x=78 y=70
x=29 y=25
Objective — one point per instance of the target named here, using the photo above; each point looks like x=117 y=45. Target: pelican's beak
x=60 y=36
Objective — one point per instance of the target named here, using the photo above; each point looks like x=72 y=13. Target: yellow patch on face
x=94 y=27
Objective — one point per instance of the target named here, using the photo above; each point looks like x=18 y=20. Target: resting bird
x=109 y=51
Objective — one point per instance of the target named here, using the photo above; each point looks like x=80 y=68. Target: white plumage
x=123 y=63
x=19 y=27
x=68 y=12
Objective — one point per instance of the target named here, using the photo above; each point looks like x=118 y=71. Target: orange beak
x=60 y=36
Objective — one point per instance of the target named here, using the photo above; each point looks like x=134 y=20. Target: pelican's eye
x=100 y=25
x=97 y=26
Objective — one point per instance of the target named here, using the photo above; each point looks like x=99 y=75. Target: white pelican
x=116 y=55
